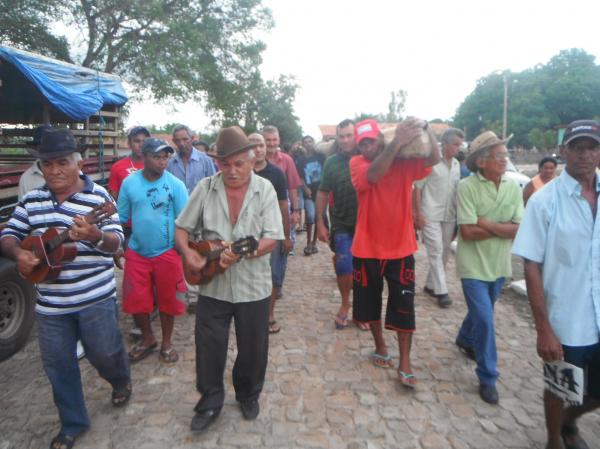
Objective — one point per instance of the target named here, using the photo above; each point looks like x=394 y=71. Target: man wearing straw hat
x=490 y=207
x=228 y=206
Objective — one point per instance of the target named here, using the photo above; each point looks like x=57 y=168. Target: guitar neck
x=214 y=254
x=90 y=218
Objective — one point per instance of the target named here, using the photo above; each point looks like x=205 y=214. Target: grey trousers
x=437 y=236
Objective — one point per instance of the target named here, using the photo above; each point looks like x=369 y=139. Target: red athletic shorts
x=148 y=277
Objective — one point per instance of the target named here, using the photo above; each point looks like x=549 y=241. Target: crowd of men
x=365 y=200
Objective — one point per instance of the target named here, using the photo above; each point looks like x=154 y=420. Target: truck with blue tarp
x=36 y=90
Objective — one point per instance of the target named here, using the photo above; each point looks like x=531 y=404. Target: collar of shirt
x=219 y=186
x=572 y=185
x=484 y=179
x=37 y=168
x=195 y=156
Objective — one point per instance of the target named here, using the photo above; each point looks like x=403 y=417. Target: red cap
x=367 y=129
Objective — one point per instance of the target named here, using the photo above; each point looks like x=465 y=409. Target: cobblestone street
x=321 y=390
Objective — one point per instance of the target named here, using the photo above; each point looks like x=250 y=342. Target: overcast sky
x=348 y=56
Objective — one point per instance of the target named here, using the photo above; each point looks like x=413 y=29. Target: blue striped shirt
x=89 y=278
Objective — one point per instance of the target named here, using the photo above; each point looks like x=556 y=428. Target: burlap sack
x=418 y=148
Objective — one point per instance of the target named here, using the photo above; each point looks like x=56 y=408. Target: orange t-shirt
x=384 y=222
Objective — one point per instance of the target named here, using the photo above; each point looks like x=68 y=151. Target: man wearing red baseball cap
x=384 y=240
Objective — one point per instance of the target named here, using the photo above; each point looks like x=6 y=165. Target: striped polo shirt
x=89 y=278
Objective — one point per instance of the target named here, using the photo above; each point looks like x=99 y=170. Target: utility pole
x=505 y=109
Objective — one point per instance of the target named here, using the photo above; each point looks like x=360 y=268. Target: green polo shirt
x=206 y=217
x=489 y=259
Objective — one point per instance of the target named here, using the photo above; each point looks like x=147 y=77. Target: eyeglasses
x=499 y=156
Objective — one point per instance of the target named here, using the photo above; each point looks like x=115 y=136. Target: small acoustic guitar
x=212 y=249
x=53 y=248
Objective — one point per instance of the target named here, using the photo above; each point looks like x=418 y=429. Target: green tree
x=541 y=139
x=254 y=103
x=26 y=24
x=541 y=98
x=176 y=49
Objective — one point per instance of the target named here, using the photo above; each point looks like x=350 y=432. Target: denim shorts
x=343 y=255
x=309 y=207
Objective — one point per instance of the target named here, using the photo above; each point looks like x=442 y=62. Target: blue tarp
x=77 y=91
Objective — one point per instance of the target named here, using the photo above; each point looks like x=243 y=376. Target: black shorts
x=588 y=358
x=368 y=276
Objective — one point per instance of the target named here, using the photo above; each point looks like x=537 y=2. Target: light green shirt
x=488 y=259
x=206 y=217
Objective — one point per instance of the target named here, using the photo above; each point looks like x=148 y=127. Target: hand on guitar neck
x=41 y=257
x=82 y=230
x=207 y=258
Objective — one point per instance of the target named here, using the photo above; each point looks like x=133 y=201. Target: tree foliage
x=203 y=50
x=254 y=103
x=541 y=99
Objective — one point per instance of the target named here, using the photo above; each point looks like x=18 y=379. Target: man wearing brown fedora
x=490 y=207
x=81 y=302
x=233 y=204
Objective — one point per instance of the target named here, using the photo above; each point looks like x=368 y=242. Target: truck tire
x=17 y=302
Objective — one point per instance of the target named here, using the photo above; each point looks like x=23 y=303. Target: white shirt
x=32 y=178
x=438 y=191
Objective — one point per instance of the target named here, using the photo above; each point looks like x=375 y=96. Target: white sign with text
x=565 y=381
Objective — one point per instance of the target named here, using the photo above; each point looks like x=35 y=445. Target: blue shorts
x=309 y=208
x=343 y=255
x=588 y=358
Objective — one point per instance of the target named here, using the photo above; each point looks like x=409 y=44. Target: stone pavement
x=321 y=390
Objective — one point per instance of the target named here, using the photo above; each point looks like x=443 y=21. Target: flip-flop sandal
x=168 y=355
x=362 y=325
x=140 y=352
x=341 y=321
x=62 y=441
x=121 y=396
x=307 y=251
x=274 y=327
x=382 y=361
x=571 y=432
x=407 y=380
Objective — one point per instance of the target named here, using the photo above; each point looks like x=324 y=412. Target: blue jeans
x=477 y=330
x=98 y=330
x=278 y=264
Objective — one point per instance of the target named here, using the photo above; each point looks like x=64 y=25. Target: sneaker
x=444 y=301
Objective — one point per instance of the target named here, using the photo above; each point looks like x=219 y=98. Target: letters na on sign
x=565 y=381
